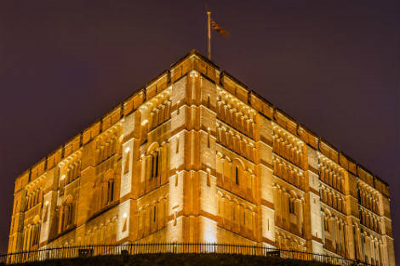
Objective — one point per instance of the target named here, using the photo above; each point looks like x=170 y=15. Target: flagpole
x=209 y=33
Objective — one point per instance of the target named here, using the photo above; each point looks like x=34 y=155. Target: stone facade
x=197 y=157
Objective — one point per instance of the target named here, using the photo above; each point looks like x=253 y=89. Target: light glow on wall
x=210 y=232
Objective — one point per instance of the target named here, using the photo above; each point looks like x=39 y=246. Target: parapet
x=209 y=70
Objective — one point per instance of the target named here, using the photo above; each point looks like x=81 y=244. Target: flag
x=219 y=29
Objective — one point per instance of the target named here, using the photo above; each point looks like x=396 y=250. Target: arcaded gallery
x=196 y=156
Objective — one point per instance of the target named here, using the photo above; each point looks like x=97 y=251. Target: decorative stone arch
x=69 y=199
x=67 y=213
x=227 y=169
x=152 y=147
x=250 y=180
x=36 y=219
x=153 y=160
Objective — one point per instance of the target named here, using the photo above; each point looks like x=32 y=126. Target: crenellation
x=156 y=86
x=53 y=159
x=234 y=87
x=72 y=145
x=308 y=136
x=133 y=102
x=365 y=176
x=261 y=105
x=111 y=118
x=381 y=186
x=197 y=157
x=328 y=150
x=285 y=121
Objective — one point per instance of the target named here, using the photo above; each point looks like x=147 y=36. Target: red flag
x=219 y=29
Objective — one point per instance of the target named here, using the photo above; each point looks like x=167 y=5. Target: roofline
x=223 y=73
x=197 y=53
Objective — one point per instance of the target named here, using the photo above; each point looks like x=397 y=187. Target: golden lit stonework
x=197 y=157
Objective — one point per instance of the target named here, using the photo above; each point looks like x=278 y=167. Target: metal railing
x=174 y=248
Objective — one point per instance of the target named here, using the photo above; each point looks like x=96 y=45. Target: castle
x=197 y=157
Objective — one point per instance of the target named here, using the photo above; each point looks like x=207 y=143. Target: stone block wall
x=195 y=156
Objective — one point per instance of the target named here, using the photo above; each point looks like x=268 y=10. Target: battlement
x=196 y=61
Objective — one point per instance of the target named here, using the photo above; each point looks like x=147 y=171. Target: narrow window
x=154 y=213
x=237 y=175
x=326 y=225
x=208 y=177
x=156 y=170
x=208 y=137
x=152 y=166
x=46 y=213
x=126 y=170
x=125 y=226
x=110 y=196
x=291 y=206
x=177 y=107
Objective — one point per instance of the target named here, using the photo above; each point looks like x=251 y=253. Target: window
x=127 y=160
x=326 y=224
x=35 y=239
x=154 y=213
x=110 y=190
x=67 y=216
x=237 y=175
x=154 y=165
x=208 y=137
x=291 y=206
x=46 y=213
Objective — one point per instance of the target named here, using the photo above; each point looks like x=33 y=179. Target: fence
x=176 y=248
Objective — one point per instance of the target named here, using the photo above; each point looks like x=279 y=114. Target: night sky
x=332 y=65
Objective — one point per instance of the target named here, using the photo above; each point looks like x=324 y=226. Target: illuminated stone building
x=197 y=157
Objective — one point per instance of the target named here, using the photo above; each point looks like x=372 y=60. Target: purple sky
x=332 y=65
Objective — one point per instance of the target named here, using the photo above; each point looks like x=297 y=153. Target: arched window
x=291 y=205
x=36 y=234
x=110 y=190
x=67 y=214
x=326 y=224
x=237 y=175
x=237 y=170
x=154 y=164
